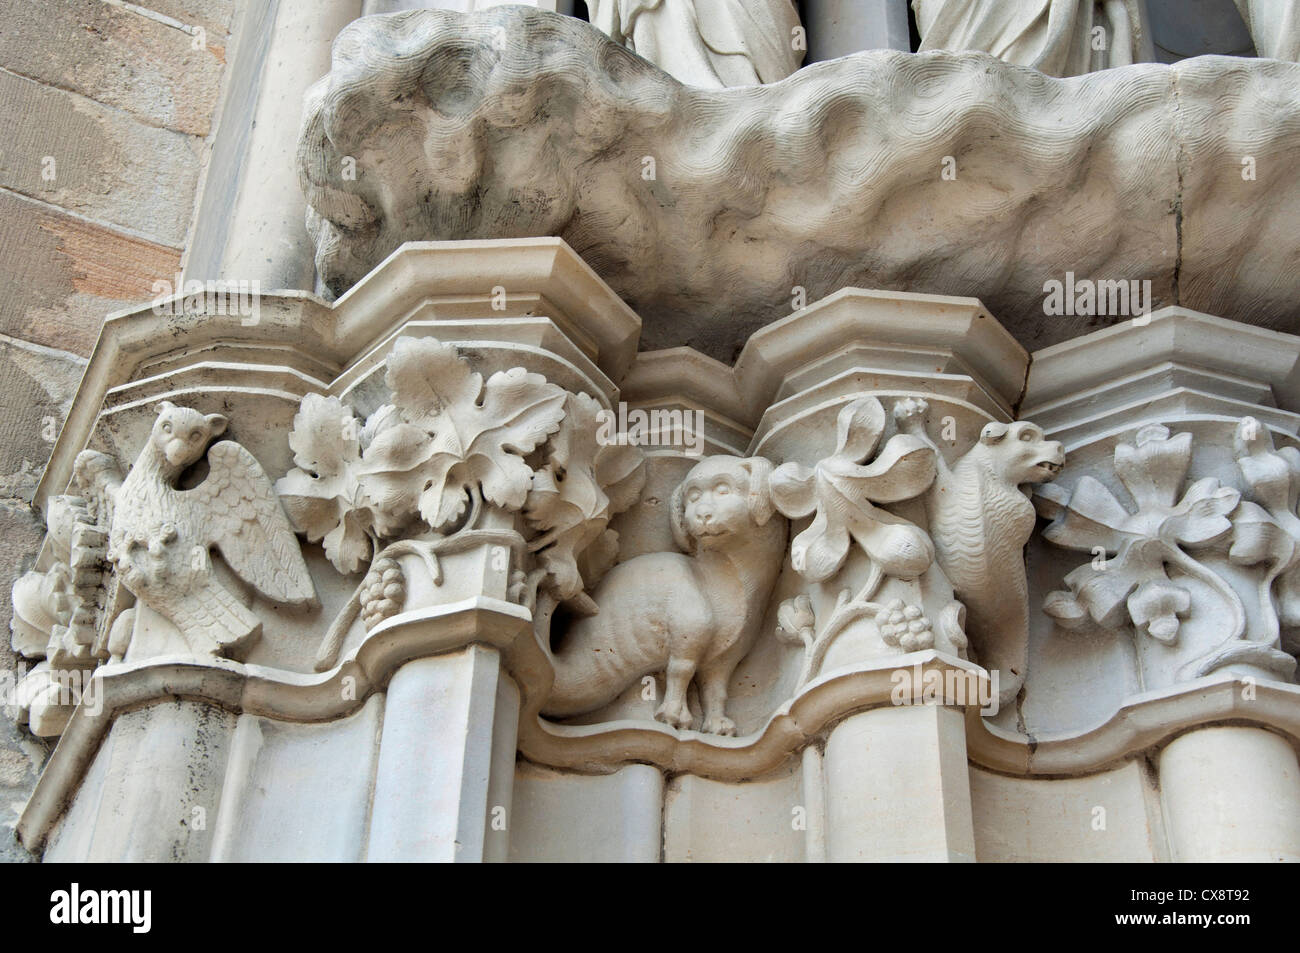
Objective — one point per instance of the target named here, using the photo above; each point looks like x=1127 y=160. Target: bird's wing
x=238 y=512
x=97 y=476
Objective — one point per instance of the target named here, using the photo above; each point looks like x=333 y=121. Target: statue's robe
x=1052 y=36
x=1274 y=26
x=709 y=43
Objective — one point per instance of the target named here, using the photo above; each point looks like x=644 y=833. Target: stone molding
x=860 y=446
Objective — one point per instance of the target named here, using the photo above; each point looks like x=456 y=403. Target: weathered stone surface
x=1112 y=816
x=63 y=274
x=21 y=755
x=97 y=161
x=36 y=388
x=831 y=178
x=212 y=15
x=115 y=56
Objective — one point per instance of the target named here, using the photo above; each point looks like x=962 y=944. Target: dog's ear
x=760 y=493
x=677 y=515
x=994 y=433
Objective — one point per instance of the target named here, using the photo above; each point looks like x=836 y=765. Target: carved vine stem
x=845 y=612
x=1194 y=569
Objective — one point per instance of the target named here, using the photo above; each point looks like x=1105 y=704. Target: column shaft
x=446 y=761
x=1231 y=793
x=898 y=787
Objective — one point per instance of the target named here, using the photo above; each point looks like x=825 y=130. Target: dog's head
x=720 y=501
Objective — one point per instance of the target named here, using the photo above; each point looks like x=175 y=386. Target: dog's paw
x=678 y=717
x=719 y=725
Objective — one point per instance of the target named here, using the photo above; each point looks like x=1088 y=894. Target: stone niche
x=595 y=603
x=484 y=555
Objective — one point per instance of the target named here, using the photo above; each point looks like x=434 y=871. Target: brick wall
x=108 y=108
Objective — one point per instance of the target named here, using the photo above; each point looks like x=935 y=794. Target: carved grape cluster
x=383 y=593
x=905 y=626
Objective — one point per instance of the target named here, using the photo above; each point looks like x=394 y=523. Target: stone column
x=266 y=238
x=839 y=27
x=453 y=664
x=898 y=787
x=446 y=761
x=1231 y=794
x=895 y=775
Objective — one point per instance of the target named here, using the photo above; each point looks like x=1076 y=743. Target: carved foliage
x=323 y=495
x=1167 y=536
x=448 y=442
x=419 y=474
x=841 y=490
x=1134 y=586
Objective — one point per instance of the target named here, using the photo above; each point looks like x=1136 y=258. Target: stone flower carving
x=841 y=490
x=1128 y=581
x=418 y=477
x=456 y=440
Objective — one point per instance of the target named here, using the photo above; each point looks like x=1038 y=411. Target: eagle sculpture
x=161 y=536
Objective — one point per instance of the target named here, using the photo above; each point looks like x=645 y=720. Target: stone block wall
x=110 y=109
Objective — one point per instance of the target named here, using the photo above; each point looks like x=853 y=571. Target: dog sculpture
x=693 y=615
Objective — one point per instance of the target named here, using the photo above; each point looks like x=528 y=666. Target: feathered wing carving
x=242 y=517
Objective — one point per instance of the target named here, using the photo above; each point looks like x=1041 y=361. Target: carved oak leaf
x=322 y=496
x=841 y=491
x=457 y=436
x=583 y=484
